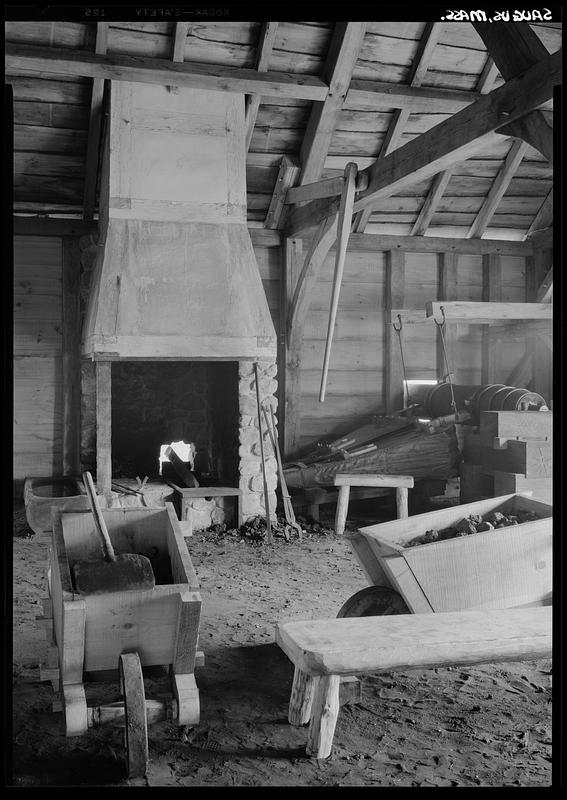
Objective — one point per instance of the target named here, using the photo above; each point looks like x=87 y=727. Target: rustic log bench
x=401 y=483
x=323 y=650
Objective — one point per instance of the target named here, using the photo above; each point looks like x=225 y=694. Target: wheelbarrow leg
x=75 y=709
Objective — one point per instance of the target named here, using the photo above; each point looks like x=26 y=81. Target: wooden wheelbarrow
x=123 y=631
x=501 y=568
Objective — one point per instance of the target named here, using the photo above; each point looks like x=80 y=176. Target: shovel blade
x=129 y=573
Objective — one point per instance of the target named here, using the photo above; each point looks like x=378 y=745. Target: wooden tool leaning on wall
x=343 y=231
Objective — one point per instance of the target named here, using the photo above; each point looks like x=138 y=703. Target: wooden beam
x=265 y=46
x=498 y=188
x=261 y=237
x=465 y=311
x=457 y=139
x=487 y=77
x=429 y=207
x=38 y=226
x=516 y=48
x=364 y=242
x=544 y=293
x=370 y=95
x=400 y=117
x=491 y=293
x=157 y=71
x=447 y=291
x=343 y=229
x=71 y=330
x=343 y=53
x=287 y=176
x=437 y=189
x=179 y=39
x=544 y=217
x=318 y=250
x=103 y=381
x=95 y=127
x=289 y=372
x=394 y=289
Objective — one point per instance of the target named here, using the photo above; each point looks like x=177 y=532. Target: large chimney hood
x=175 y=276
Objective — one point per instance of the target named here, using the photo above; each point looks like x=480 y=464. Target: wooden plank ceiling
x=323 y=94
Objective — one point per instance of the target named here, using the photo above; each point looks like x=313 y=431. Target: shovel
x=123 y=573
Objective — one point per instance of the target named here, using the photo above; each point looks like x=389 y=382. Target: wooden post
x=402 y=502
x=491 y=292
x=393 y=298
x=187 y=633
x=324 y=716
x=289 y=351
x=342 y=509
x=301 y=699
x=447 y=290
x=71 y=359
x=103 y=378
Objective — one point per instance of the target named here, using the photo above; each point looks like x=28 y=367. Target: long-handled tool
x=114 y=573
x=288 y=507
x=266 y=503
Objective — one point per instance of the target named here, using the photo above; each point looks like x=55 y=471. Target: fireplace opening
x=190 y=406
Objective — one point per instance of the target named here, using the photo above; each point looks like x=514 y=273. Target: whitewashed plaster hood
x=175 y=276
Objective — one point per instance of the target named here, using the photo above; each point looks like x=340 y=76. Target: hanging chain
x=399 y=332
x=441 y=328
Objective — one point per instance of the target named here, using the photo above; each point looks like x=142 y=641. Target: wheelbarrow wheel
x=135 y=720
x=374 y=601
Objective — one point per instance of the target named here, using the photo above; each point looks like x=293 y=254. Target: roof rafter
x=95 y=127
x=400 y=117
x=343 y=53
x=441 y=180
x=265 y=47
x=179 y=38
x=498 y=188
x=544 y=217
x=514 y=49
x=463 y=135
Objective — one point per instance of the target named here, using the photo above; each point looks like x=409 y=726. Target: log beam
x=179 y=39
x=456 y=139
x=195 y=75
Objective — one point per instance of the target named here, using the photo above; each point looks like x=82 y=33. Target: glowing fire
x=186 y=453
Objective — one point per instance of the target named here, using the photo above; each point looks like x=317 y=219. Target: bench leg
x=402 y=502
x=324 y=718
x=342 y=510
x=301 y=700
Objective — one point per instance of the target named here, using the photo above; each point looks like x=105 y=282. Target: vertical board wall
x=37 y=373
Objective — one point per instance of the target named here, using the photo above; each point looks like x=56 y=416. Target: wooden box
x=501 y=568
x=161 y=624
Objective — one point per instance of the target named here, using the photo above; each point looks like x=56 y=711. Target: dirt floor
x=475 y=726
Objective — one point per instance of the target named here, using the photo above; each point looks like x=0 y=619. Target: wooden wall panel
x=37 y=371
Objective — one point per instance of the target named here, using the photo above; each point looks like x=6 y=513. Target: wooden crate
x=160 y=624
x=502 y=568
x=530 y=457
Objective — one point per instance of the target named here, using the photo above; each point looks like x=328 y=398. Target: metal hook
x=401 y=325
x=440 y=324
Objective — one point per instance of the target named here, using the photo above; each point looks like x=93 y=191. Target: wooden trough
x=124 y=630
x=501 y=568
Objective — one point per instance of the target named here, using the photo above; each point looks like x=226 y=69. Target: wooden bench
x=323 y=650
x=401 y=483
x=184 y=497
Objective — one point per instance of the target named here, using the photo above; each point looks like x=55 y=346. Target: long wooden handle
x=343 y=231
x=100 y=524
x=266 y=503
